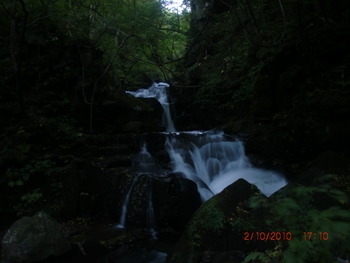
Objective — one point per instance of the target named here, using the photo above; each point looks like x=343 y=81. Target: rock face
x=32 y=239
x=128 y=114
x=174 y=200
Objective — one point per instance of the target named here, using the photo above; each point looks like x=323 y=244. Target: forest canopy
x=58 y=60
x=138 y=40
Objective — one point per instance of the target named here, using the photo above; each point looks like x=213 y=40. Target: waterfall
x=159 y=92
x=150 y=210
x=144 y=165
x=209 y=159
x=123 y=212
x=214 y=162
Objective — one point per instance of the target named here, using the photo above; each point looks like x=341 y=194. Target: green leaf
x=255 y=256
x=19 y=182
x=286 y=206
x=257 y=200
x=298 y=251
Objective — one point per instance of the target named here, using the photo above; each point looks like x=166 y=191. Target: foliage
x=209 y=220
x=283 y=63
x=138 y=38
x=59 y=60
x=296 y=211
x=257 y=257
x=34 y=170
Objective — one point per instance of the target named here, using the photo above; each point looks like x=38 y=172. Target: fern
x=254 y=256
x=294 y=210
x=298 y=251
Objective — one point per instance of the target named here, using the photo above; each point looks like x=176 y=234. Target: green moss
x=210 y=220
x=296 y=209
x=223 y=218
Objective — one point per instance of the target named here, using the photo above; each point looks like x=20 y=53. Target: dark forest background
x=275 y=72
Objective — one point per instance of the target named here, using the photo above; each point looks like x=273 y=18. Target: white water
x=144 y=162
x=124 y=210
x=214 y=163
x=150 y=211
x=146 y=167
x=208 y=158
x=159 y=92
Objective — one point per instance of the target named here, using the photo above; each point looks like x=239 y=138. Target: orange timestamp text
x=268 y=236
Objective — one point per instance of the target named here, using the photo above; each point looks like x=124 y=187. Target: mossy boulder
x=218 y=226
x=32 y=239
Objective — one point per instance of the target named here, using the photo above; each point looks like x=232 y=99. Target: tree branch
x=103 y=74
x=38 y=19
x=173 y=30
x=6 y=10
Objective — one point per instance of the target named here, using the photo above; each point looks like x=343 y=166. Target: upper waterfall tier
x=159 y=92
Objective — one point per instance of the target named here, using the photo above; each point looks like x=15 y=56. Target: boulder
x=175 y=200
x=218 y=226
x=32 y=239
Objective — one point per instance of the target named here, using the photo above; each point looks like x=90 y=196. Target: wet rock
x=32 y=239
x=139 y=255
x=176 y=199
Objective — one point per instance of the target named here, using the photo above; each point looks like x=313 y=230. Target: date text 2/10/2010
x=268 y=236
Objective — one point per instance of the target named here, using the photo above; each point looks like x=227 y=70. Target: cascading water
x=150 y=211
x=214 y=162
x=159 y=92
x=144 y=165
x=208 y=158
x=124 y=210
